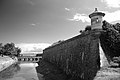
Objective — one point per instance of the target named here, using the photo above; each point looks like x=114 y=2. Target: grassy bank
x=108 y=74
x=5 y=62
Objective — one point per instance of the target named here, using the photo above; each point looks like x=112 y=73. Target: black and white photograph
x=59 y=39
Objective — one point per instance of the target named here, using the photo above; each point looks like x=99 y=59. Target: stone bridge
x=29 y=59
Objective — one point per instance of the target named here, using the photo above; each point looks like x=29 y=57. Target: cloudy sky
x=47 y=21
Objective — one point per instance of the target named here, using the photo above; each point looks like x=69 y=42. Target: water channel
x=22 y=71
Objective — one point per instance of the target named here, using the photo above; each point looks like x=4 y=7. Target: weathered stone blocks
x=77 y=57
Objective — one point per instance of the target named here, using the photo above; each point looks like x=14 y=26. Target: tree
x=18 y=51
x=9 y=49
x=1 y=52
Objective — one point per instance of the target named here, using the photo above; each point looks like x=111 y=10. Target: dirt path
x=108 y=74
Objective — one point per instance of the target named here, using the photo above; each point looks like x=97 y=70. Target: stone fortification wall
x=78 y=56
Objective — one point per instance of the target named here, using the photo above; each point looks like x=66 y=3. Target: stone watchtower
x=96 y=19
x=96 y=23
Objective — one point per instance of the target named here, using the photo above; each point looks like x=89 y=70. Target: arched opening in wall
x=24 y=59
x=28 y=59
x=40 y=59
x=36 y=59
x=32 y=59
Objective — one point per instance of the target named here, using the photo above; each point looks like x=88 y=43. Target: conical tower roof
x=96 y=13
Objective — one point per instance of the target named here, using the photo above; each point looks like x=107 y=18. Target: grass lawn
x=108 y=74
x=5 y=61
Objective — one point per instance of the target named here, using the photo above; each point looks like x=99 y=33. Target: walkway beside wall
x=108 y=74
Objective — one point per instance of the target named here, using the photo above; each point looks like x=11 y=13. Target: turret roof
x=95 y=13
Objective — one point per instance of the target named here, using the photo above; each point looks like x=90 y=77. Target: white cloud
x=33 y=24
x=109 y=16
x=80 y=17
x=27 y=47
x=112 y=3
x=113 y=16
x=67 y=9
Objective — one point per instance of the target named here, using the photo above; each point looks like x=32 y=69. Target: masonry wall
x=78 y=56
